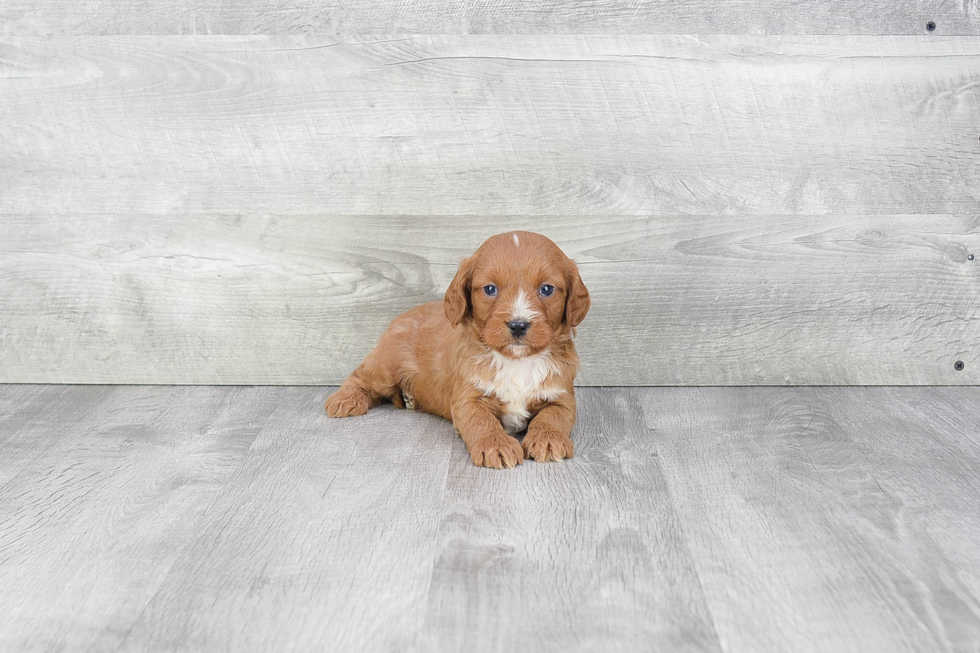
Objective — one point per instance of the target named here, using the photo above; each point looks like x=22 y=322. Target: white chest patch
x=518 y=382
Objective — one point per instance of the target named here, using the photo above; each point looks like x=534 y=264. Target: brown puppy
x=495 y=356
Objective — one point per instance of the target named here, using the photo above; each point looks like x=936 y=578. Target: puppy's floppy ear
x=456 y=303
x=577 y=301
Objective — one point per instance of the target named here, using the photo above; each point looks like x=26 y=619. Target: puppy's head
x=519 y=292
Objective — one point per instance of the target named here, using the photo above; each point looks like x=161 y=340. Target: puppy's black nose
x=518 y=327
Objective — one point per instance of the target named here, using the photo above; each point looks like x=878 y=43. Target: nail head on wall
x=931 y=26
x=958 y=366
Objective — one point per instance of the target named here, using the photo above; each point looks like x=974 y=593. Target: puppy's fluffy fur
x=465 y=359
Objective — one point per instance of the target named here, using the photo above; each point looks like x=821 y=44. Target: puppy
x=495 y=356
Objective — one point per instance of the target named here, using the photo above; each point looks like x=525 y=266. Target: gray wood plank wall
x=677 y=300
x=747 y=209
x=43 y=17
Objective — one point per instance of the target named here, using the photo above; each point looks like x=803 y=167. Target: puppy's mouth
x=517 y=350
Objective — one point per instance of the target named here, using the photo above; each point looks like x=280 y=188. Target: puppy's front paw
x=347 y=402
x=547 y=445
x=497 y=451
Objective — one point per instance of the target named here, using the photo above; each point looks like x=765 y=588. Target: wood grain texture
x=21 y=404
x=931 y=474
x=819 y=505
x=587 y=554
x=92 y=522
x=749 y=520
x=55 y=411
x=472 y=17
x=490 y=125
x=677 y=300
x=324 y=540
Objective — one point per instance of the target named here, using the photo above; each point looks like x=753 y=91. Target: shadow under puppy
x=495 y=356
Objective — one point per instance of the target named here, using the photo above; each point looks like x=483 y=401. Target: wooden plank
x=738 y=519
x=798 y=543
x=90 y=528
x=323 y=541
x=491 y=125
x=587 y=554
x=677 y=300
x=923 y=446
x=55 y=411
x=19 y=403
x=472 y=17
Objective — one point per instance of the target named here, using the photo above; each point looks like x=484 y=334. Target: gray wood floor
x=714 y=519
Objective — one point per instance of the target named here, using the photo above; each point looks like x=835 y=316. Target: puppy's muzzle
x=518 y=327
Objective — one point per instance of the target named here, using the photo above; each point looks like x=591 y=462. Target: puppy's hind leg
x=371 y=383
x=350 y=400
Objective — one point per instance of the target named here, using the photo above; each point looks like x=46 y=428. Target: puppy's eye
x=546 y=290
x=490 y=290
